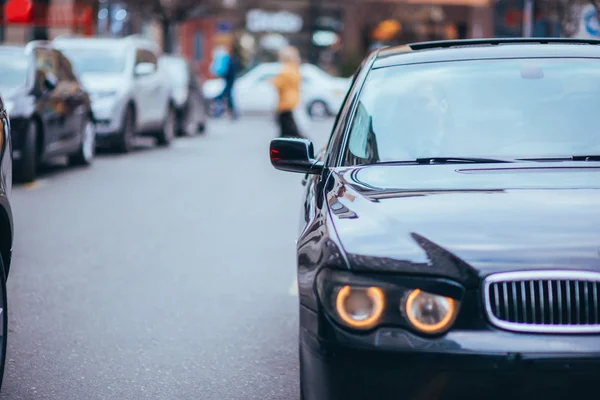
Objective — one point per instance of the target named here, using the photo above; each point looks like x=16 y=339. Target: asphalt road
x=163 y=274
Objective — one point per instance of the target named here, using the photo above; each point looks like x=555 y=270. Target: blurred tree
x=169 y=13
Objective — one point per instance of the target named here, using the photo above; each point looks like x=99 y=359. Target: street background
x=162 y=274
x=170 y=273
x=333 y=34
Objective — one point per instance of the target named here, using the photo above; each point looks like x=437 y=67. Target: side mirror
x=294 y=155
x=144 y=69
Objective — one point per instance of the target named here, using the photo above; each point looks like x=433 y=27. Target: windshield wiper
x=459 y=160
x=586 y=158
x=572 y=158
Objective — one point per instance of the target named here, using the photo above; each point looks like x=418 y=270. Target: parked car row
x=71 y=95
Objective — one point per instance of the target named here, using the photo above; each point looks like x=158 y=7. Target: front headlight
x=360 y=308
x=105 y=94
x=430 y=313
x=363 y=302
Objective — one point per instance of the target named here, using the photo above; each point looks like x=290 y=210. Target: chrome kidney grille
x=544 y=301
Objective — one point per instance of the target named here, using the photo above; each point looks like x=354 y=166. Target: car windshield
x=97 y=60
x=517 y=108
x=13 y=69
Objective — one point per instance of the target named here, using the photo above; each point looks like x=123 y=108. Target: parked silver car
x=131 y=95
x=186 y=95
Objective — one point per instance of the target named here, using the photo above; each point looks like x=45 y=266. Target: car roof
x=100 y=42
x=12 y=48
x=481 y=49
x=88 y=42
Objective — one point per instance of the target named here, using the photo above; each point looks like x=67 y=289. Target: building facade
x=334 y=34
x=25 y=20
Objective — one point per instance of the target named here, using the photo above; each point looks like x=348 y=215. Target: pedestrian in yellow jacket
x=287 y=84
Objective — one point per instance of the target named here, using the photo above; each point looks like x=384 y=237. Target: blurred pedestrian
x=225 y=65
x=287 y=84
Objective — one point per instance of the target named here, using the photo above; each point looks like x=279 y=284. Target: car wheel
x=201 y=128
x=3 y=319
x=87 y=151
x=189 y=126
x=318 y=109
x=167 y=133
x=27 y=166
x=127 y=136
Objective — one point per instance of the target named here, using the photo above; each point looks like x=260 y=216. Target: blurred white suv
x=130 y=93
x=321 y=94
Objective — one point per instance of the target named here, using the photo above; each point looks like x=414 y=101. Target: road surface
x=162 y=274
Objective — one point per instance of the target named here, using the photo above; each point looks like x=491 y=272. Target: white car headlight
x=104 y=94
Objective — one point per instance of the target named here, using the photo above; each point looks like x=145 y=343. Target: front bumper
x=396 y=364
x=109 y=117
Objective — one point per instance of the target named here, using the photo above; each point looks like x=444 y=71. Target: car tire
x=87 y=150
x=167 y=133
x=318 y=110
x=188 y=127
x=3 y=320
x=127 y=135
x=201 y=128
x=27 y=167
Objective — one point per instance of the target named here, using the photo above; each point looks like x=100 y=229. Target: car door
x=49 y=99
x=148 y=91
x=75 y=103
x=256 y=93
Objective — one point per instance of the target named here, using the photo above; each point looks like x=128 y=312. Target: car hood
x=465 y=223
x=8 y=92
x=103 y=82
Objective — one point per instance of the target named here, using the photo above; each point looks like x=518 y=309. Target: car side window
x=337 y=135
x=46 y=70
x=266 y=77
x=362 y=143
x=145 y=56
x=65 y=70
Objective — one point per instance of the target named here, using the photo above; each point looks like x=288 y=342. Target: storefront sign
x=223 y=27
x=265 y=21
x=18 y=11
x=587 y=26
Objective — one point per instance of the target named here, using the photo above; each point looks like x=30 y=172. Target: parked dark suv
x=6 y=226
x=50 y=111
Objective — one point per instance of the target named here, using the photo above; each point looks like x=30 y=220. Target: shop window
x=198 y=46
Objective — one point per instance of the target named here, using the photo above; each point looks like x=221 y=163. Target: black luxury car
x=190 y=104
x=450 y=246
x=6 y=226
x=49 y=109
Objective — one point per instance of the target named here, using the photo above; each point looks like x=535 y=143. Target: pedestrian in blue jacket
x=226 y=64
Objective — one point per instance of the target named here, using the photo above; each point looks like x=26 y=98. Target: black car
x=186 y=95
x=49 y=109
x=6 y=226
x=450 y=247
